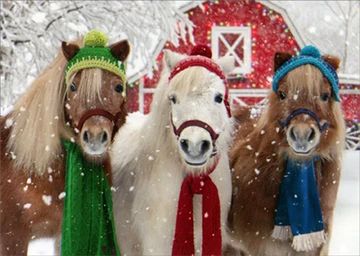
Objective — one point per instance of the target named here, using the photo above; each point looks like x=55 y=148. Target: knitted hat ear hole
x=333 y=61
x=172 y=58
x=120 y=50
x=280 y=58
x=69 y=50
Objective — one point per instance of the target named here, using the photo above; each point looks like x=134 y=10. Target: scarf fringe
x=282 y=233
x=308 y=242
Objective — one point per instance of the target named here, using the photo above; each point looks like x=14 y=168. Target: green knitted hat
x=95 y=54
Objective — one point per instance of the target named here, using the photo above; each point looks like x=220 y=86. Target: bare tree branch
x=61 y=16
x=341 y=10
x=355 y=9
x=333 y=11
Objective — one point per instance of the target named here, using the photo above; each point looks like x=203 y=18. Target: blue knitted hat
x=309 y=55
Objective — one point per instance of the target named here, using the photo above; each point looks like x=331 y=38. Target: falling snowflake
x=47 y=199
x=61 y=195
x=27 y=206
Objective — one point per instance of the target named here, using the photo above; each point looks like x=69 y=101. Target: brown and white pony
x=260 y=147
x=32 y=157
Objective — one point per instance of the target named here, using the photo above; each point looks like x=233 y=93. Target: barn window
x=233 y=41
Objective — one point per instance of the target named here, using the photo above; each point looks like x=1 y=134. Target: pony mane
x=38 y=116
x=157 y=125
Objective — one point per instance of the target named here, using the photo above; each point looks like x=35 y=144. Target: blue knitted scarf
x=298 y=214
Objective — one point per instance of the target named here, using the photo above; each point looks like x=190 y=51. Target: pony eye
x=324 y=96
x=119 y=88
x=73 y=87
x=282 y=95
x=173 y=99
x=218 y=98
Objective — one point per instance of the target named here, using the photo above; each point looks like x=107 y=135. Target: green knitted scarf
x=88 y=223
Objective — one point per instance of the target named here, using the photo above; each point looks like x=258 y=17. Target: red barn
x=251 y=31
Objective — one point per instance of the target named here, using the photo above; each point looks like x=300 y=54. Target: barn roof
x=294 y=31
x=185 y=6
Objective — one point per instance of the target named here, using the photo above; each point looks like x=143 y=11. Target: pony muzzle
x=195 y=146
x=303 y=130
x=196 y=141
x=303 y=138
x=95 y=136
x=97 y=128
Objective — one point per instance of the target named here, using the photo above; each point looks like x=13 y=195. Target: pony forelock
x=90 y=84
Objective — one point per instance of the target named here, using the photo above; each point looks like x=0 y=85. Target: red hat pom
x=202 y=50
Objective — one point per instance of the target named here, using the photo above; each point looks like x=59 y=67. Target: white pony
x=150 y=162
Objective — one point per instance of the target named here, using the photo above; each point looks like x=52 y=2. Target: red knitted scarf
x=184 y=231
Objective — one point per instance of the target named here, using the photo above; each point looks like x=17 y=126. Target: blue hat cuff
x=327 y=70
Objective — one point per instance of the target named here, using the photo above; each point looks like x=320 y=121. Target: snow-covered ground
x=345 y=239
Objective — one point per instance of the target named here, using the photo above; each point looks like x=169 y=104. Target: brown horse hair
x=309 y=84
x=38 y=121
x=32 y=158
x=257 y=161
x=293 y=82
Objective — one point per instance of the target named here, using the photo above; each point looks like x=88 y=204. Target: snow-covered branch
x=31 y=33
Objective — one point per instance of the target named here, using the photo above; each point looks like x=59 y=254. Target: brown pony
x=32 y=157
x=261 y=145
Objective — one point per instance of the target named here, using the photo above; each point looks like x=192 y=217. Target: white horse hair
x=149 y=166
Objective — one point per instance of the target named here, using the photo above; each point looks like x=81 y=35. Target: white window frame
x=244 y=34
x=142 y=92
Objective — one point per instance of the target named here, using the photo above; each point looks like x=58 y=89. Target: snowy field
x=345 y=240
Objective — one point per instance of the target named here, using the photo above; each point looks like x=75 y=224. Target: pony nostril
x=184 y=145
x=205 y=145
x=312 y=134
x=86 y=136
x=292 y=134
x=104 y=137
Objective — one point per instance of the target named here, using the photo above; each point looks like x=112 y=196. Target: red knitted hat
x=201 y=57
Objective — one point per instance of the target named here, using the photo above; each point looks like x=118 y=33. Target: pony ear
x=332 y=61
x=280 y=58
x=172 y=58
x=227 y=64
x=69 y=50
x=120 y=50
